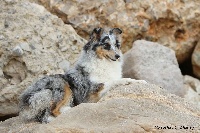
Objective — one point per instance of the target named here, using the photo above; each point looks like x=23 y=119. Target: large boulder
x=33 y=43
x=154 y=63
x=174 y=24
x=192 y=86
x=196 y=60
x=134 y=107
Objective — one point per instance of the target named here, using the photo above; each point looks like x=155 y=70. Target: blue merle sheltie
x=99 y=64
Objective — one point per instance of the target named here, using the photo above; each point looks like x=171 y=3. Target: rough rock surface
x=196 y=60
x=192 y=86
x=33 y=42
x=154 y=63
x=174 y=24
x=133 y=107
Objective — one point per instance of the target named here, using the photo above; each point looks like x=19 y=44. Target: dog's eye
x=106 y=46
x=117 y=44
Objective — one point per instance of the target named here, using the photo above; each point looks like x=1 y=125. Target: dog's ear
x=96 y=34
x=116 y=31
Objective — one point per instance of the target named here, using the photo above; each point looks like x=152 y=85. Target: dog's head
x=105 y=43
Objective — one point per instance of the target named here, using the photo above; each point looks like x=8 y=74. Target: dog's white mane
x=100 y=70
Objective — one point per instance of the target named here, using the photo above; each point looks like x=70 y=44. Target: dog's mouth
x=111 y=58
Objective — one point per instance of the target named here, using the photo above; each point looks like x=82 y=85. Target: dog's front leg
x=113 y=84
x=99 y=90
x=93 y=95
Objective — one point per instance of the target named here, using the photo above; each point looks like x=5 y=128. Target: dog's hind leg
x=65 y=104
x=37 y=103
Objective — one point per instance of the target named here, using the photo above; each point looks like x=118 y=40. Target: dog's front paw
x=129 y=81
x=50 y=118
x=141 y=81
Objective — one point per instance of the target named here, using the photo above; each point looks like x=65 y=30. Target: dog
x=97 y=69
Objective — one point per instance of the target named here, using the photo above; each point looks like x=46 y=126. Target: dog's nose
x=117 y=56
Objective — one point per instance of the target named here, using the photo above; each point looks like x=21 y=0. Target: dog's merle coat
x=80 y=85
x=100 y=62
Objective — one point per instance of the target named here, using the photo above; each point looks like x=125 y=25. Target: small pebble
x=1 y=37
x=1 y=73
x=65 y=65
x=17 y=51
x=25 y=46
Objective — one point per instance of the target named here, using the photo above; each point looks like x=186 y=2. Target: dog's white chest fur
x=102 y=70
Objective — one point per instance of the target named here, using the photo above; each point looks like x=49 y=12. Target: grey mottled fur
x=38 y=99
x=80 y=84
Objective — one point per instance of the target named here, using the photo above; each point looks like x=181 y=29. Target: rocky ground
x=130 y=108
x=42 y=37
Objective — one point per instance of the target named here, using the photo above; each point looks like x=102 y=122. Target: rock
x=25 y=46
x=17 y=51
x=174 y=24
x=10 y=1
x=65 y=65
x=15 y=71
x=154 y=63
x=193 y=83
x=134 y=107
x=1 y=37
x=1 y=73
x=192 y=86
x=29 y=48
x=196 y=60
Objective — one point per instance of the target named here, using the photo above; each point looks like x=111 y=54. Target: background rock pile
x=154 y=63
x=174 y=24
x=42 y=37
x=33 y=42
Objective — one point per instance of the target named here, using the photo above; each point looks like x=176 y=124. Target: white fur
x=50 y=118
x=112 y=39
x=63 y=109
x=101 y=70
